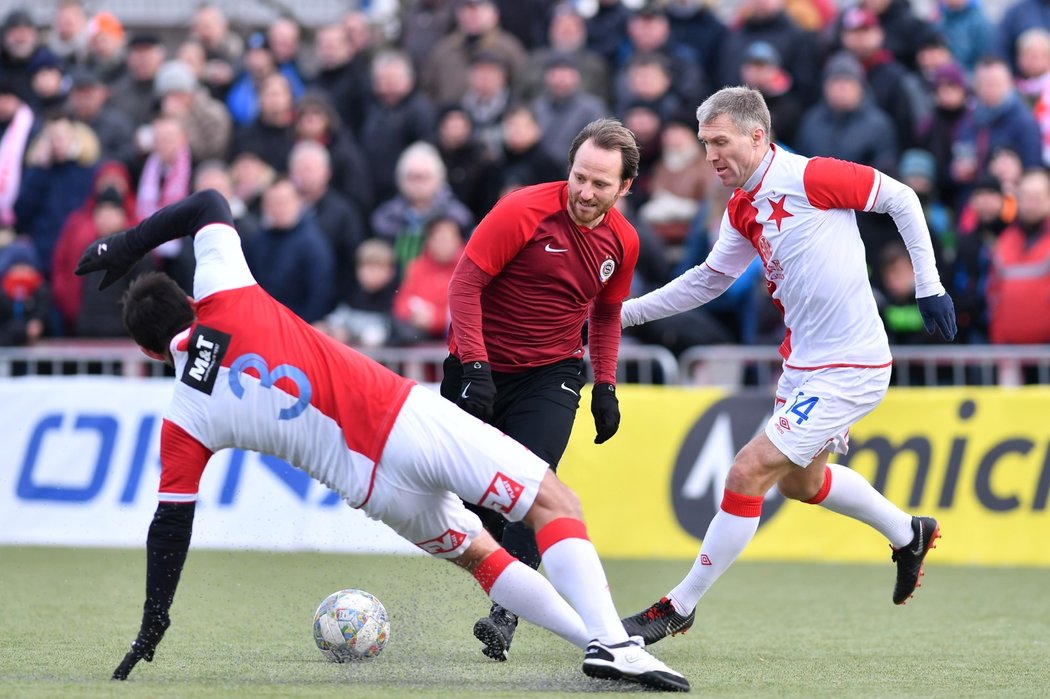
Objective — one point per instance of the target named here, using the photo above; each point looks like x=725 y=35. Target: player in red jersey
x=544 y=260
x=252 y=375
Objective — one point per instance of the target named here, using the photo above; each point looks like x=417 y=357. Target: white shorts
x=814 y=409
x=438 y=457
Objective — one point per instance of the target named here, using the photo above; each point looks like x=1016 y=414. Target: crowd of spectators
x=358 y=155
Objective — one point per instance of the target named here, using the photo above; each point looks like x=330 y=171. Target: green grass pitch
x=241 y=626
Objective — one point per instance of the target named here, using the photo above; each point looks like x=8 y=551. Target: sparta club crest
x=606 y=270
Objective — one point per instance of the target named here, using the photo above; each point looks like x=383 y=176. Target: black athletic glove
x=606 y=411
x=154 y=624
x=938 y=314
x=477 y=393
x=115 y=253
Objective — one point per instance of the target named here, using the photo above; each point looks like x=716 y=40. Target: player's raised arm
x=118 y=253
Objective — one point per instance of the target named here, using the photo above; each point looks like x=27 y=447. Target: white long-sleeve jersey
x=798 y=214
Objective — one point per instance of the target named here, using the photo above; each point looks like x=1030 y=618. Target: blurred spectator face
x=1033 y=53
x=561 y=81
x=193 y=55
x=59 y=135
x=109 y=219
x=375 y=265
x=758 y=75
x=310 y=171
x=358 y=29
x=106 y=36
x=644 y=122
x=843 y=93
x=312 y=123
x=1033 y=199
x=476 y=17
x=762 y=9
x=168 y=138
x=259 y=63
x=209 y=26
x=143 y=61
x=9 y=104
x=877 y=7
x=444 y=240
x=283 y=37
x=281 y=205
x=454 y=130
x=520 y=131
x=47 y=82
x=487 y=80
x=863 y=41
x=898 y=276
x=992 y=83
x=648 y=80
x=250 y=175
x=70 y=20
x=950 y=96
x=333 y=46
x=567 y=31
x=217 y=178
x=648 y=32
x=20 y=41
x=275 y=100
x=1006 y=166
x=987 y=204
x=420 y=181
x=930 y=58
x=678 y=138
x=86 y=101
x=392 y=79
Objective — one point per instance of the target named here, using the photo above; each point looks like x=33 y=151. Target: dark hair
x=155 y=310
x=610 y=134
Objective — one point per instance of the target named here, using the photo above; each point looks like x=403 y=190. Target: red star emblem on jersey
x=779 y=212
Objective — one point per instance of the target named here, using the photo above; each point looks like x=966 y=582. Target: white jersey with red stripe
x=253 y=375
x=798 y=214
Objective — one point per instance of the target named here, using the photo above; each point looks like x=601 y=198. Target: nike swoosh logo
x=919 y=547
x=566 y=388
x=548 y=248
x=465 y=389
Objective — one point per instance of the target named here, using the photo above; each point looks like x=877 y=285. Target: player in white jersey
x=797 y=214
x=252 y=375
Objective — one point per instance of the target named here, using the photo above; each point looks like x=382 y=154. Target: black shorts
x=535 y=407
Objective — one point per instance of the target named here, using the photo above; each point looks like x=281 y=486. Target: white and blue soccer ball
x=351 y=625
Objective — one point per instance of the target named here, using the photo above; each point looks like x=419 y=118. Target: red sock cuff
x=492 y=567
x=741 y=505
x=558 y=530
x=824 y=489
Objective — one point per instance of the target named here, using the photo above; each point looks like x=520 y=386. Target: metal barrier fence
x=729 y=366
x=637 y=363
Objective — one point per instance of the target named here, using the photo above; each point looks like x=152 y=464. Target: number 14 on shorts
x=803 y=406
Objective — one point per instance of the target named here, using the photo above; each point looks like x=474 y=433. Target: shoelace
x=659 y=610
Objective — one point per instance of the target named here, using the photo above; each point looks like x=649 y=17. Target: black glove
x=477 y=393
x=606 y=411
x=938 y=313
x=152 y=630
x=114 y=253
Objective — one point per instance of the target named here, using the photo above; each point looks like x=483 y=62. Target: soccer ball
x=351 y=625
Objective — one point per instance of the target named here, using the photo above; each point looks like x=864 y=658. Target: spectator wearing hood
x=24 y=297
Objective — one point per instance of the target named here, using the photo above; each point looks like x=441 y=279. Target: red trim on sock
x=558 y=530
x=824 y=489
x=741 y=505
x=492 y=567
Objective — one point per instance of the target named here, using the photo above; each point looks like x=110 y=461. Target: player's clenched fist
x=477 y=392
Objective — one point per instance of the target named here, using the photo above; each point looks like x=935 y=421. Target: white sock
x=848 y=493
x=574 y=569
x=528 y=594
x=730 y=531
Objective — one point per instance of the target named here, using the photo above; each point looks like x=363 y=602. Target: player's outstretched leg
x=659 y=620
x=909 y=558
x=496 y=631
